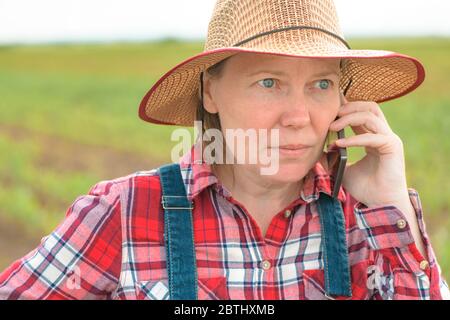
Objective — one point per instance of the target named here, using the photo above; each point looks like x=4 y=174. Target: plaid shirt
x=110 y=246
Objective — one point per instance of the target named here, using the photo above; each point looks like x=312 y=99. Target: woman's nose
x=295 y=114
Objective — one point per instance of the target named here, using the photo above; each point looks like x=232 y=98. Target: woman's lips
x=293 y=146
x=292 y=150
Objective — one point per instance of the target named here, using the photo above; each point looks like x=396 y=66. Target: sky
x=32 y=21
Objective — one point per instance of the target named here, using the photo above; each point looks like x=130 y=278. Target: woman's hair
x=211 y=120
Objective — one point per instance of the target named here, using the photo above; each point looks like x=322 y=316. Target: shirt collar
x=198 y=176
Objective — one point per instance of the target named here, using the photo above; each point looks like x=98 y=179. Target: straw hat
x=301 y=28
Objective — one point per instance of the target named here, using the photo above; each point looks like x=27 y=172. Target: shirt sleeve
x=398 y=269
x=80 y=259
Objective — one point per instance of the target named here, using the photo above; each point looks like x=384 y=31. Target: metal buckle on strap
x=176 y=208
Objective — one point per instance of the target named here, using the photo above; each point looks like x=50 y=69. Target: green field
x=68 y=119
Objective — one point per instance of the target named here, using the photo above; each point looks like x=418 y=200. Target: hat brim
x=376 y=75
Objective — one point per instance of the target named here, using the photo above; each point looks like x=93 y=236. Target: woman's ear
x=209 y=90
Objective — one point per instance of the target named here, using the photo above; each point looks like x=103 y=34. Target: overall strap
x=179 y=235
x=334 y=244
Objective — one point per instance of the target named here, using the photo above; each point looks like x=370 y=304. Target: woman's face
x=297 y=96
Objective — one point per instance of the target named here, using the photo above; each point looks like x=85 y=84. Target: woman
x=221 y=231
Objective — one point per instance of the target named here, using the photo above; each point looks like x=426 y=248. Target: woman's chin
x=289 y=172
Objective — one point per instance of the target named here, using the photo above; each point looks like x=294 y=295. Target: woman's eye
x=267 y=83
x=324 y=84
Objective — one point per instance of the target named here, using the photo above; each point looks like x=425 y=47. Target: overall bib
x=180 y=249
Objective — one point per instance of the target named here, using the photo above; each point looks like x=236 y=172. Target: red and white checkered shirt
x=110 y=246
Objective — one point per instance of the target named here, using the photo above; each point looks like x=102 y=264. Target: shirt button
x=401 y=223
x=424 y=264
x=287 y=213
x=265 y=265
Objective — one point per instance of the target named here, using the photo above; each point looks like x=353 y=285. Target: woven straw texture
x=376 y=75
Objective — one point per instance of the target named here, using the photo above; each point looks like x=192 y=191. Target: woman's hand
x=380 y=177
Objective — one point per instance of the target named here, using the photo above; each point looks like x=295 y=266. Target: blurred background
x=72 y=74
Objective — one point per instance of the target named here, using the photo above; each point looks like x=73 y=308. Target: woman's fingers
x=362 y=122
x=381 y=143
x=361 y=106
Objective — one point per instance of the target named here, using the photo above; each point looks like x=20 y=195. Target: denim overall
x=180 y=250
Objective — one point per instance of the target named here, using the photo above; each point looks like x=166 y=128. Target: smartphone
x=337 y=160
x=337 y=157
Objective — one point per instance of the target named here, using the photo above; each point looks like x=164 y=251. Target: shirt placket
x=270 y=253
